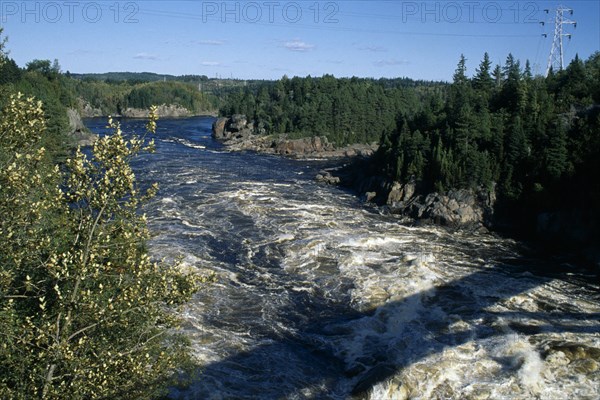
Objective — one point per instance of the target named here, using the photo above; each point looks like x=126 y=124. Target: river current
x=319 y=297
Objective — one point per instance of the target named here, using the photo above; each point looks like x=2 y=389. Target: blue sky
x=267 y=39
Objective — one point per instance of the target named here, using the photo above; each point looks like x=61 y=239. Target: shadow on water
x=331 y=377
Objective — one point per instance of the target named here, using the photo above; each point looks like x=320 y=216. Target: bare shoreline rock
x=163 y=111
x=80 y=134
x=239 y=134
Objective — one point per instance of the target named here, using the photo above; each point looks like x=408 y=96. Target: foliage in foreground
x=84 y=312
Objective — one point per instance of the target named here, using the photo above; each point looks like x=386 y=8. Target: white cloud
x=146 y=56
x=298 y=45
x=209 y=42
x=390 y=63
x=373 y=49
x=210 y=63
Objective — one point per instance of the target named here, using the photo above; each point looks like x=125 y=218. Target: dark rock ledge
x=239 y=134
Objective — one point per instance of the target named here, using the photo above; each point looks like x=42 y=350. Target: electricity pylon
x=556 y=59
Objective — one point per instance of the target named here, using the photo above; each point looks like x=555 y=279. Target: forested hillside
x=344 y=110
x=43 y=80
x=101 y=95
x=536 y=139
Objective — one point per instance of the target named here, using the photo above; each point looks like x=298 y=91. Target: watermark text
x=270 y=12
x=69 y=11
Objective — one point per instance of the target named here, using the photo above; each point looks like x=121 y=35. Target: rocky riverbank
x=239 y=134
x=163 y=111
x=77 y=130
x=462 y=208
x=457 y=209
x=572 y=233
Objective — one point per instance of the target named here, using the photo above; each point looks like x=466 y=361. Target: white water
x=317 y=296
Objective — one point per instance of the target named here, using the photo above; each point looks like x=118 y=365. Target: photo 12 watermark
x=69 y=11
x=254 y=12
x=470 y=11
x=270 y=12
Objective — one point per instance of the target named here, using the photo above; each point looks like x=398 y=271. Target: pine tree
x=555 y=152
x=483 y=81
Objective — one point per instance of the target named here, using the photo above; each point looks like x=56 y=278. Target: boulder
x=326 y=177
x=369 y=197
x=401 y=193
x=235 y=131
x=316 y=144
x=218 y=128
x=77 y=130
x=237 y=122
x=455 y=208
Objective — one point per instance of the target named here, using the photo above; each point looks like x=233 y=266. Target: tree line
x=534 y=138
x=108 y=93
x=531 y=138
x=346 y=110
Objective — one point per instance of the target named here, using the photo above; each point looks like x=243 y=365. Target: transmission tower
x=556 y=59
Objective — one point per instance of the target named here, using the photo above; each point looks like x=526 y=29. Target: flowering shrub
x=84 y=311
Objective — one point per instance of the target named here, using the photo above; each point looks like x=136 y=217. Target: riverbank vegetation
x=84 y=312
x=535 y=139
x=532 y=140
x=345 y=111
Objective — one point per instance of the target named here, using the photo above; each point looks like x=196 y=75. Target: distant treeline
x=137 y=77
x=346 y=110
x=113 y=98
x=110 y=93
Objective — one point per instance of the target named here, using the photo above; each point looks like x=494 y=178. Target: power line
x=335 y=28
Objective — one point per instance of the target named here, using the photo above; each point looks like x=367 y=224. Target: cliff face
x=455 y=208
x=78 y=131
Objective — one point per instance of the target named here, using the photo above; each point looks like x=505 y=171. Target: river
x=320 y=297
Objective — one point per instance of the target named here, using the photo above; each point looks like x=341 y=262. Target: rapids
x=318 y=297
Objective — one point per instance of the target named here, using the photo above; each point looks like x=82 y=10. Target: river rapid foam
x=318 y=297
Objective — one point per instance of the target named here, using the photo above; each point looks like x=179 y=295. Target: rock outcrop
x=163 y=111
x=459 y=208
x=325 y=176
x=238 y=133
x=87 y=110
x=80 y=134
x=455 y=208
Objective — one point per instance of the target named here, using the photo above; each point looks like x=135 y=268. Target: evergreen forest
x=535 y=140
